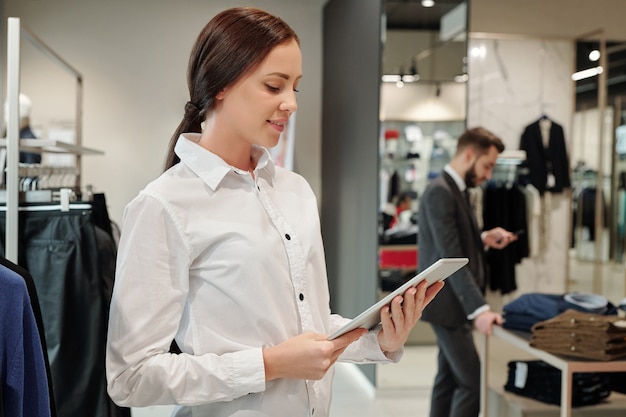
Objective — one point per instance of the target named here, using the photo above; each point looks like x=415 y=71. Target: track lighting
x=402 y=78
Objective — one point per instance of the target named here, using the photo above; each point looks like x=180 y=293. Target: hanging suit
x=542 y=161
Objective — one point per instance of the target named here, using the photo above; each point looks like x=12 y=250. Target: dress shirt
x=227 y=263
x=463 y=188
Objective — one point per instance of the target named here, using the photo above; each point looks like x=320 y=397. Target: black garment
x=29 y=157
x=34 y=302
x=505 y=207
x=587 y=200
x=542 y=382
x=61 y=252
x=542 y=161
x=100 y=214
x=394 y=186
x=617 y=381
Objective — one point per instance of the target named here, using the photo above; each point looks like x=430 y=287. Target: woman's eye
x=272 y=88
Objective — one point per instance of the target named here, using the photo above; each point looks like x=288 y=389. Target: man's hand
x=306 y=356
x=498 y=238
x=405 y=311
x=485 y=321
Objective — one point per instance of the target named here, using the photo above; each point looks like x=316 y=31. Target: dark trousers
x=456 y=391
x=61 y=252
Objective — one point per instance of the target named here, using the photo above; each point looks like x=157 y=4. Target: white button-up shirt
x=226 y=263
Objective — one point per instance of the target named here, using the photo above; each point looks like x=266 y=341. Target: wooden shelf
x=567 y=365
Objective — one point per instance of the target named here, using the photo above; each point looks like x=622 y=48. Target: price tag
x=521 y=374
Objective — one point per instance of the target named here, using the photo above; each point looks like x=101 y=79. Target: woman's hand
x=306 y=356
x=405 y=311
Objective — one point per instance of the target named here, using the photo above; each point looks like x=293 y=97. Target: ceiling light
x=594 y=55
x=461 y=78
x=428 y=3
x=591 y=72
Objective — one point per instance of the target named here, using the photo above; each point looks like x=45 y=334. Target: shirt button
x=287 y=236
x=301 y=297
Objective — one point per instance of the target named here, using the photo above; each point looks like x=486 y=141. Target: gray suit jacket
x=448 y=229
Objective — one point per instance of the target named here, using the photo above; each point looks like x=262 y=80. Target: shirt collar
x=212 y=169
x=456 y=177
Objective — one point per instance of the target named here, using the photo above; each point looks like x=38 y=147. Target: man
x=448 y=228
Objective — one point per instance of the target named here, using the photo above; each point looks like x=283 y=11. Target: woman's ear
x=221 y=94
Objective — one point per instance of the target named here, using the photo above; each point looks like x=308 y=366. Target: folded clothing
x=528 y=309
x=584 y=335
x=542 y=382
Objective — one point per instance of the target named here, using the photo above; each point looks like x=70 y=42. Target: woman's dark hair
x=480 y=139
x=231 y=45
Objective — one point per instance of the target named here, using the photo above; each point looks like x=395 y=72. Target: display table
x=568 y=366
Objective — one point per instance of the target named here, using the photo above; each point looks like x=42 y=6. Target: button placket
x=296 y=260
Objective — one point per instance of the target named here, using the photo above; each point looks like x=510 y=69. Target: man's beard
x=470 y=176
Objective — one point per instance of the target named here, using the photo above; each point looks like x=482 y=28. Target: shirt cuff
x=477 y=312
x=249 y=372
x=370 y=342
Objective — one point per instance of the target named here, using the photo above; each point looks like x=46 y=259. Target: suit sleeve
x=451 y=235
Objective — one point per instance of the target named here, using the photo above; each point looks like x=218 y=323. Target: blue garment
x=528 y=309
x=22 y=368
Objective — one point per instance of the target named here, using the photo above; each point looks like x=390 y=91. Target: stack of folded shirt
x=584 y=335
x=542 y=382
x=528 y=309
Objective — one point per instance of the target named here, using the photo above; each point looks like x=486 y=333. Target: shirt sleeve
x=366 y=349
x=478 y=311
x=151 y=287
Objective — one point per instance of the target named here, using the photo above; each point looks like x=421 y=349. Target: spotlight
x=591 y=72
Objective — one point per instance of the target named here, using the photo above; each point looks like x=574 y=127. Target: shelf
x=52 y=146
x=567 y=365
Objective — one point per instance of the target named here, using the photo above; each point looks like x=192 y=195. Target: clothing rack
x=509 y=167
x=12 y=142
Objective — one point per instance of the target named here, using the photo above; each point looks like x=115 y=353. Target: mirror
x=598 y=157
x=422 y=113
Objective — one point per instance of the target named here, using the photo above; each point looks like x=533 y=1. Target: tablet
x=370 y=318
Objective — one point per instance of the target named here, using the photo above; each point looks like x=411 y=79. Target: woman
x=223 y=251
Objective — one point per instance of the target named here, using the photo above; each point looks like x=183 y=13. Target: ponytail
x=192 y=122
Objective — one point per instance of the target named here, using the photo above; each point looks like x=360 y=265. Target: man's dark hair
x=479 y=139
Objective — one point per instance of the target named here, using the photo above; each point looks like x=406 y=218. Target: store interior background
x=133 y=57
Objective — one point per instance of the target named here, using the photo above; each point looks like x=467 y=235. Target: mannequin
x=26 y=132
